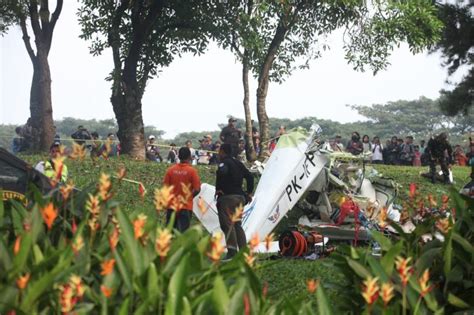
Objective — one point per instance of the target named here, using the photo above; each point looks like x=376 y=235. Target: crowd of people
x=398 y=151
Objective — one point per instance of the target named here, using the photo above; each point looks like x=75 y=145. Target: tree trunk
x=128 y=111
x=249 y=148
x=41 y=131
x=263 y=122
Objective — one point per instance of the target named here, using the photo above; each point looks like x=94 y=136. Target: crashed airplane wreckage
x=340 y=198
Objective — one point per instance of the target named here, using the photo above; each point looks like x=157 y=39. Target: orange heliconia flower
x=76 y=283
x=66 y=298
x=423 y=282
x=370 y=291
x=254 y=241
x=250 y=259
x=383 y=218
x=444 y=225
x=163 y=197
x=139 y=225
x=121 y=173
x=237 y=215
x=387 y=293
x=105 y=185
x=78 y=152
x=217 y=249
x=114 y=238
x=106 y=291
x=268 y=241
x=77 y=244
x=22 y=281
x=403 y=268
x=16 y=246
x=141 y=190
x=432 y=201
x=66 y=190
x=49 y=213
x=163 y=242
x=93 y=224
x=107 y=267
x=202 y=205
x=93 y=205
x=312 y=285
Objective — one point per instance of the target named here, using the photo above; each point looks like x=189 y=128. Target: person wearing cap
x=48 y=168
x=152 y=152
x=230 y=134
x=230 y=195
x=186 y=185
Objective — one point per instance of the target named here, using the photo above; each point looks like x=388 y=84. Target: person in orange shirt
x=186 y=185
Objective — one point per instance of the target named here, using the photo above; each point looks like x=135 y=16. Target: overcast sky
x=197 y=93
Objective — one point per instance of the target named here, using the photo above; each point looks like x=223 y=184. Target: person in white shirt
x=377 y=149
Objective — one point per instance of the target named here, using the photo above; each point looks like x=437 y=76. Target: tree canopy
x=456 y=46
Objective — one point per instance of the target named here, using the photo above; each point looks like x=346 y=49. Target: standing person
x=354 y=145
x=189 y=145
x=17 y=143
x=377 y=151
x=366 y=145
x=337 y=145
x=407 y=152
x=460 y=157
x=96 y=145
x=152 y=151
x=81 y=135
x=172 y=154
x=417 y=156
x=230 y=196
x=230 y=134
x=186 y=185
x=215 y=155
x=393 y=151
x=437 y=149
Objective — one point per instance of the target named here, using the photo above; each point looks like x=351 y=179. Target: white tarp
x=287 y=175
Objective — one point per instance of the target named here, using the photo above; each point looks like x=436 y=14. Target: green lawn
x=285 y=277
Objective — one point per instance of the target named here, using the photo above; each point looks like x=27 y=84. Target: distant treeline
x=420 y=118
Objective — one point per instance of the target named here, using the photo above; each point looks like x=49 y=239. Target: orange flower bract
x=22 y=281
x=217 y=249
x=404 y=269
x=312 y=285
x=387 y=293
x=66 y=190
x=49 y=213
x=106 y=291
x=105 y=185
x=268 y=241
x=443 y=225
x=423 y=282
x=163 y=243
x=107 y=267
x=370 y=291
x=250 y=259
x=16 y=246
x=139 y=225
x=254 y=241
x=237 y=215
x=163 y=197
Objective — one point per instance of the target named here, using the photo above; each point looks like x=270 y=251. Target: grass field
x=286 y=278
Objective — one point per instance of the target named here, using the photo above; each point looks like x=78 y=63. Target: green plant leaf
x=463 y=242
x=384 y=242
x=176 y=288
x=131 y=244
x=448 y=253
x=124 y=272
x=220 y=295
x=377 y=269
x=152 y=284
x=360 y=270
x=125 y=307
x=454 y=300
x=324 y=307
x=388 y=260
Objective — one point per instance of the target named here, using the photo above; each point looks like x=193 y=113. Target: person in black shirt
x=231 y=135
x=440 y=152
x=230 y=195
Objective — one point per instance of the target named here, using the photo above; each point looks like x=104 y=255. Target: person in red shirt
x=186 y=185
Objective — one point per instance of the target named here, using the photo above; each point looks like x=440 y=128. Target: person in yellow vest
x=48 y=168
